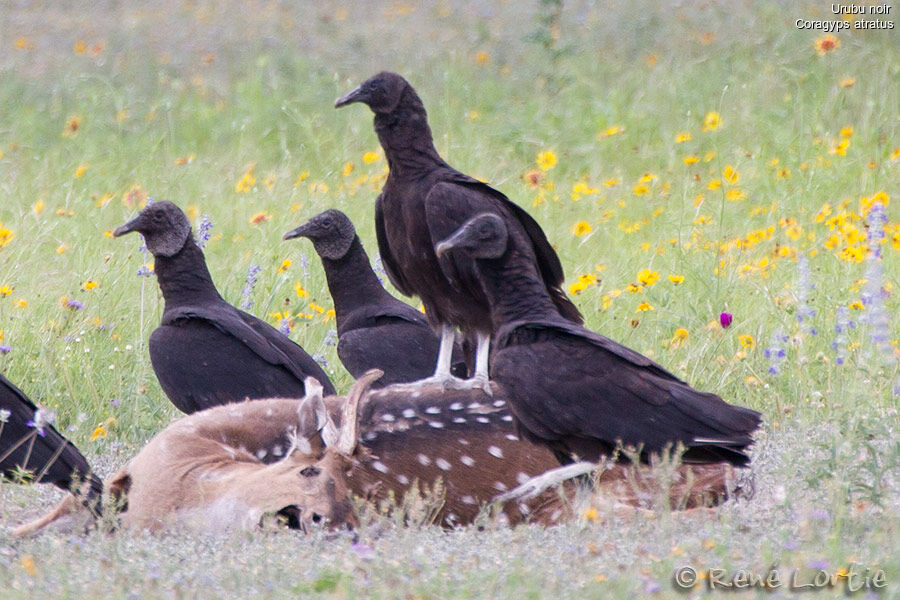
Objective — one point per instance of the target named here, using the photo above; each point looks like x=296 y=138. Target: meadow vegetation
x=685 y=159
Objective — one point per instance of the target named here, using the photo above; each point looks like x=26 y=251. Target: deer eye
x=310 y=471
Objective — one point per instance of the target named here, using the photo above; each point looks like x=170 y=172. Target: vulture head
x=482 y=236
x=382 y=93
x=331 y=233
x=164 y=227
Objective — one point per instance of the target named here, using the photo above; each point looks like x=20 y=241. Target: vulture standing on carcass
x=375 y=330
x=580 y=392
x=28 y=442
x=423 y=201
x=205 y=351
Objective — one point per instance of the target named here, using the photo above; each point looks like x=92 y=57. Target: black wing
x=548 y=261
x=585 y=393
x=388 y=259
x=205 y=356
x=50 y=457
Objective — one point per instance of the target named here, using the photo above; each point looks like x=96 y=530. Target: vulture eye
x=310 y=471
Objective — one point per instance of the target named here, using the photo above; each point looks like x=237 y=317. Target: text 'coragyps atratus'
x=29 y=443
x=375 y=330
x=423 y=201
x=580 y=392
x=205 y=351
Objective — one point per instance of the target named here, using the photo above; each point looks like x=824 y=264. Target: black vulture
x=375 y=330
x=28 y=442
x=423 y=201
x=206 y=352
x=580 y=392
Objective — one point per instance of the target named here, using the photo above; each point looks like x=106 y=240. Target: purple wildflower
x=5 y=349
x=839 y=345
x=284 y=326
x=725 y=320
x=320 y=358
x=74 y=304
x=363 y=551
x=304 y=264
x=775 y=352
x=41 y=419
x=378 y=267
x=876 y=316
x=203 y=231
x=252 y=274
x=331 y=337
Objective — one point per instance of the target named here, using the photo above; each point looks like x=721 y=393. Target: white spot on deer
x=474 y=405
x=388 y=418
x=277 y=450
x=423 y=460
x=416 y=394
x=370 y=435
x=522 y=477
x=380 y=466
x=269 y=412
x=463 y=441
x=495 y=451
x=482 y=419
x=468 y=500
x=451 y=518
x=556 y=515
x=433 y=410
x=403 y=479
x=499 y=403
x=506 y=417
x=261 y=453
x=467 y=460
x=456 y=406
x=500 y=486
x=381 y=393
x=459 y=420
x=512 y=437
x=442 y=464
x=409 y=413
x=523 y=508
x=436 y=424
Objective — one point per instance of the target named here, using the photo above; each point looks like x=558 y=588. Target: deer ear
x=312 y=409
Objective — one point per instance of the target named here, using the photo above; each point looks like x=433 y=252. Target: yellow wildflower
x=81 y=170
x=711 y=121
x=648 y=277
x=676 y=279
x=301 y=293
x=644 y=306
x=27 y=563
x=370 y=157
x=640 y=190
x=682 y=137
x=89 y=285
x=246 y=182
x=730 y=175
x=285 y=264
x=847 y=82
x=746 y=340
x=846 y=131
x=633 y=288
x=858 y=305
x=616 y=181
x=615 y=129
x=62 y=249
x=6 y=235
x=679 y=338
x=348 y=168
x=482 y=58
x=5 y=291
x=714 y=184
x=582 y=228
x=302 y=177
x=735 y=194
x=99 y=432
x=546 y=160
x=691 y=160
x=22 y=303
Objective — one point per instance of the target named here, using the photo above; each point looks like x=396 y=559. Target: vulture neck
x=515 y=290
x=352 y=282
x=406 y=138
x=184 y=278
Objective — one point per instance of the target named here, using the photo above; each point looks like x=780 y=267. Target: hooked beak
x=128 y=227
x=356 y=95
x=295 y=233
x=454 y=241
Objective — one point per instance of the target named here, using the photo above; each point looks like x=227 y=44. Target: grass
x=182 y=101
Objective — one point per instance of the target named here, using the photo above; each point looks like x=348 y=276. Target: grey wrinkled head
x=164 y=226
x=482 y=236
x=331 y=233
x=382 y=93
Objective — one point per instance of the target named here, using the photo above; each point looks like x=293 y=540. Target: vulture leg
x=482 y=351
x=442 y=375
